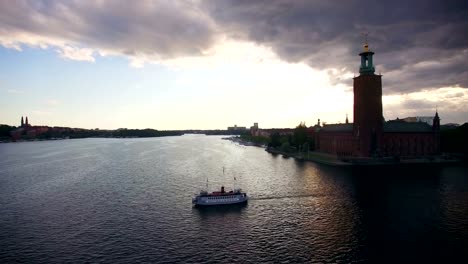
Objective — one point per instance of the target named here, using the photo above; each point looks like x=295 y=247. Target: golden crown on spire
x=366 y=46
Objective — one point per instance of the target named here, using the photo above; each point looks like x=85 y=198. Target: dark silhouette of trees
x=455 y=140
x=275 y=140
x=258 y=140
x=300 y=134
x=5 y=131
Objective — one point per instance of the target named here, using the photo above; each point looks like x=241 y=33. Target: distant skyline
x=213 y=64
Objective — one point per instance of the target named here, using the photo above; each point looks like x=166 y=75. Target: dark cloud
x=164 y=28
x=326 y=34
x=419 y=44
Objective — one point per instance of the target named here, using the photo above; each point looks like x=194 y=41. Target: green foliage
x=299 y=141
x=143 y=133
x=260 y=140
x=286 y=147
x=66 y=132
x=300 y=134
x=5 y=131
x=276 y=140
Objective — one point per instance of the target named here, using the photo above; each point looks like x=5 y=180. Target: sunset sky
x=212 y=64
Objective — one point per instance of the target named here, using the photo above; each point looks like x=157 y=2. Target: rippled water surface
x=129 y=200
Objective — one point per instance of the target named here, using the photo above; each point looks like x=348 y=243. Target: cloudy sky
x=213 y=64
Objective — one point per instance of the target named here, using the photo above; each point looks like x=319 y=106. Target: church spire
x=22 y=121
x=436 y=122
x=347 y=122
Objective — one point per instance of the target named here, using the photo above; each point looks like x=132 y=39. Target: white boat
x=220 y=198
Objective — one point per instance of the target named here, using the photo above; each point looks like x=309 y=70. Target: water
x=129 y=201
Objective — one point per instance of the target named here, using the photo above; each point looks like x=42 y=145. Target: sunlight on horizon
x=234 y=83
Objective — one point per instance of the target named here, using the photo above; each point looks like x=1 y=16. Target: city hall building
x=369 y=135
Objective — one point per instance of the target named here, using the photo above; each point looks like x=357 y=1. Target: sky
x=199 y=64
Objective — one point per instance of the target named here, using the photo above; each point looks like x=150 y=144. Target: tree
x=455 y=140
x=285 y=147
x=5 y=130
x=275 y=140
x=300 y=134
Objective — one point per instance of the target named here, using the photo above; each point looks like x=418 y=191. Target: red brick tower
x=368 y=117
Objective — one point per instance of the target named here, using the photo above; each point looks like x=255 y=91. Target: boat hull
x=201 y=205
x=204 y=201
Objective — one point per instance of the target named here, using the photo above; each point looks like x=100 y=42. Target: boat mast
x=223 y=175
x=234 y=187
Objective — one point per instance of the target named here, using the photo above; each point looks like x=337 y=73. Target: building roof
x=402 y=126
x=426 y=119
x=338 y=128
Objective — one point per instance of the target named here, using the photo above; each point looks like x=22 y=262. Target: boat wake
x=282 y=197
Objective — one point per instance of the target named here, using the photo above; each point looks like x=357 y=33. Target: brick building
x=370 y=135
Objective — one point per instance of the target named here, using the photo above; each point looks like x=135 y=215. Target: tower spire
x=436 y=121
x=366 y=45
x=22 y=121
x=367 y=66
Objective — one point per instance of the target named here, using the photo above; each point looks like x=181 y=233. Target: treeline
x=5 y=131
x=66 y=132
x=298 y=141
x=143 y=133
x=455 y=140
x=119 y=133
x=258 y=140
x=218 y=132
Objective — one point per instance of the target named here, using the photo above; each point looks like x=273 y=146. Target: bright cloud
x=14 y=91
x=74 y=53
x=52 y=102
x=449 y=101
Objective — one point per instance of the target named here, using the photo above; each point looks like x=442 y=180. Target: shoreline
x=69 y=138
x=331 y=160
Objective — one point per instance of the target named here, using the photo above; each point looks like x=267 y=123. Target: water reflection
x=215 y=211
x=129 y=200
x=399 y=212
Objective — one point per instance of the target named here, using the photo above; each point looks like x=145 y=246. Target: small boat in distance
x=220 y=198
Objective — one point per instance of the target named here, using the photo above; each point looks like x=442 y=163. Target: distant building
x=370 y=135
x=25 y=124
x=27 y=130
x=425 y=119
x=256 y=131
x=449 y=126
x=236 y=128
